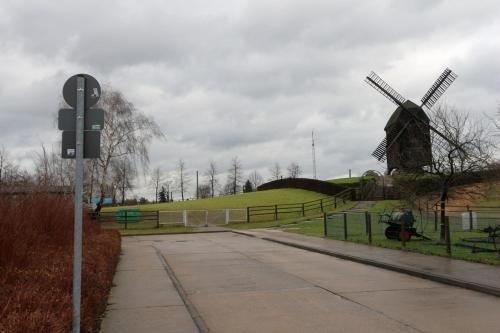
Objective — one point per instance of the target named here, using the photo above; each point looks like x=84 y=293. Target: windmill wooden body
x=407 y=144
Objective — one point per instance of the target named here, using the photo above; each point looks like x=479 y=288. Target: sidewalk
x=143 y=298
x=479 y=277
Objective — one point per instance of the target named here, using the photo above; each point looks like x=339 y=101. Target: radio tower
x=313 y=156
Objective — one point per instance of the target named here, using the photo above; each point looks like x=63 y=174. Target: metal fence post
x=335 y=202
x=402 y=234
x=275 y=212
x=369 y=225
x=303 y=210
x=471 y=225
x=366 y=222
x=184 y=218
x=325 y=225
x=226 y=220
x=321 y=204
x=447 y=235
x=157 y=219
x=345 y=226
x=248 y=214
x=435 y=220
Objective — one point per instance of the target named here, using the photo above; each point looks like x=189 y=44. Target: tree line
x=125 y=141
x=209 y=181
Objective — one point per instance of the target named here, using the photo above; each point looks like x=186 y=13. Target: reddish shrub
x=36 y=264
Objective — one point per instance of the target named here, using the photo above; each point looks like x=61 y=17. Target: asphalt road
x=243 y=284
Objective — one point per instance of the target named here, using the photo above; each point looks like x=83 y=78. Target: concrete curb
x=193 y=312
x=400 y=269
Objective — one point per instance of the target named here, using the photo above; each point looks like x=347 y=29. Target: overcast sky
x=246 y=78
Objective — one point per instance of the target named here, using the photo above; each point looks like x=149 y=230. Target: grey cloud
x=246 y=78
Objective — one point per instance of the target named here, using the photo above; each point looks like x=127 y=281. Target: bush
x=36 y=264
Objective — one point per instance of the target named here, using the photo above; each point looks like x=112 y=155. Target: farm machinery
x=400 y=225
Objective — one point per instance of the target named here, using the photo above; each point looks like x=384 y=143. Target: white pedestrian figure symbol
x=95 y=93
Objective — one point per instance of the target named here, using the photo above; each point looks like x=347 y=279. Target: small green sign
x=96 y=127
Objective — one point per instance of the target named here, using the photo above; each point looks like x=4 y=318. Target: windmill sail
x=381 y=152
x=438 y=88
x=384 y=88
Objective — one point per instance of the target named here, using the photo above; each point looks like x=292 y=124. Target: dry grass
x=36 y=253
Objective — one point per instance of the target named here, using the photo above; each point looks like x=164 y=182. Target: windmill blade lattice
x=381 y=153
x=438 y=88
x=384 y=88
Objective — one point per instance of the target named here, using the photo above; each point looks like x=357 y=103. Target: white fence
x=202 y=217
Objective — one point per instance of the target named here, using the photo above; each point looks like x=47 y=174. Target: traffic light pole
x=77 y=245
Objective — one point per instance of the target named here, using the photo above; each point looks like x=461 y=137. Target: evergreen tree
x=162 y=195
x=248 y=186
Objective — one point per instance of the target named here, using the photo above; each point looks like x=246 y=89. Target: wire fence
x=477 y=228
x=135 y=218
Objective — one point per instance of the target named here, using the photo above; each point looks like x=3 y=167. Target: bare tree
x=235 y=175
x=294 y=170
x=127 y=134
x=211 y=173
x=183 y=179
x=156 y=180
x=255 y=179
x=124 y=172
x=466 y=155
x=52 y=170
x=275 y=171
x=204 y=191
x=4 y=165
x=10 y=172
x=472 y=151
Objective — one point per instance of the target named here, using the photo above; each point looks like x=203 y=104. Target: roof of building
x=409 y=106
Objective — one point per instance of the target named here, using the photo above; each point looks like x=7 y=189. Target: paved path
x=475 y=276
x=144 y=298
x=362 y=205
x=235 y=283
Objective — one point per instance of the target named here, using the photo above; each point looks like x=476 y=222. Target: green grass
x=357 y=233
x=290 y=220
x=492 y=197
x=387 y=205
x=243 y=200
x=353 y=181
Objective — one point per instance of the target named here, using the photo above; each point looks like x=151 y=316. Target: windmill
x=407 y=144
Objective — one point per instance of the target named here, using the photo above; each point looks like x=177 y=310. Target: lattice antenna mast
x=314 y=156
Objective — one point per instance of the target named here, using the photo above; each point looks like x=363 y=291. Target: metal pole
x=345 y=226
x=447 y=235
x=369 y=220
x=325 y=226
x=77 y=238
x=197 y=187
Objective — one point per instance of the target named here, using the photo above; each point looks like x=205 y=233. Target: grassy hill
x=350 y=182
x=242 y=200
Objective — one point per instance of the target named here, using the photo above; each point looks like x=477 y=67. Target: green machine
x=129 y=215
